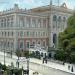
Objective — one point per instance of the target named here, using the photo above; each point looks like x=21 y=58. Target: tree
x=26 y=54
x=59 y=55
x=18 y=53
x=67 y=39
x=72 y=56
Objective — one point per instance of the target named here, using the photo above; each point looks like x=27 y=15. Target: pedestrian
x=72 y=69
x=68 y=67
x=43 y=60
x=46 y=61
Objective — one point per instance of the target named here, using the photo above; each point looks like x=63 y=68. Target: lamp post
x=11 y=53
x=4 y=56
x=58 y=2
x=4 y=45
x=27 y=66
x=26 y=54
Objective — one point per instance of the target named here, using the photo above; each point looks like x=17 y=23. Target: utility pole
x=57 y=26
x=50 y=24
x=4 y=56
x=58 y=3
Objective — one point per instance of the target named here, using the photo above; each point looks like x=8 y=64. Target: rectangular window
x=2 y=23
x=5 y=33
x=28 y=21
x=33 y=33
x=21 y=34
x=36 y=34
x=44 y=23
x=21 y=21
x=33 y=22
x=11 y=24
x=8 y=44
x=8 y=22
x=39 y=23
x=12 y=33
x=44 y=43
x=21 y=45
x=27 y=33
x=28 y=44
x=8 y=33
x=2 y=33
x=43 y=33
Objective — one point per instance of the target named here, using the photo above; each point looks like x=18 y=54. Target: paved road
x=36 y=65
x=55 y=65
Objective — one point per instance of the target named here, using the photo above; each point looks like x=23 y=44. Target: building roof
x=61 y=8
x=16 y=9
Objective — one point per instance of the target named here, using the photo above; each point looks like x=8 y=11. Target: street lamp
x=4 y=45
x=26 y=54
x=28 y=66
x=4 y=56
x=11 y=53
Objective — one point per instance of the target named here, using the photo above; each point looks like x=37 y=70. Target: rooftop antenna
x=58 y=3
x=50 y=2
x=50 y=22
x=57 y=25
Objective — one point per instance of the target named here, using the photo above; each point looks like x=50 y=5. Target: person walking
x=72 y=69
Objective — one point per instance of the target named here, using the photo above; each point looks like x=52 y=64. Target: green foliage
x=59 y=55
x=71 y=20
x=72 y=56
x=4 y=67
x=0 y=66
x=36 y=54
x=32 y=54
x=17 y=71
x=26 y=54
x=65 y=43
x=67 y=40
x=18 y=53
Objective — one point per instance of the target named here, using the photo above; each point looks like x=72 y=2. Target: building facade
x=21 y=28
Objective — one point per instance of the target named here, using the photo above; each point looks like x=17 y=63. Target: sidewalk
x=55 y=65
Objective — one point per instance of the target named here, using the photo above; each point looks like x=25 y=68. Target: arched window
x=54 y=18
x=54 y=21
x=54 y=38
x=59 y=21
x=64 y=19
x=59 y=18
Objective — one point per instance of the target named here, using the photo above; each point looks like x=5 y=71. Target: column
x=42 y=23
x=36 y=22
x=46 y=23
x=6 y=22
x=24 y=43
x=50 y=32
x=25 y=21
x=31 y=22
